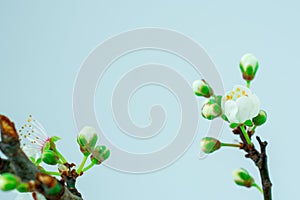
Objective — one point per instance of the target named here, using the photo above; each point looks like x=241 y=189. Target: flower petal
x=231 y=109
x=255 y=107
x=244 y=108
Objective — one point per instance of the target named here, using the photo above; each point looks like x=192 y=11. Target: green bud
x=50 y=157
x=100 y=154
x=260 y=119
x=23 y=187
x=9 y=181
x=211 y=109
x=248 y=66
x=209 y=144
x=87 y=139
x=242 y=177
x=201 y=88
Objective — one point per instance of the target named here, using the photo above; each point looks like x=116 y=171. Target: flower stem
x=253 y=129
x=79 y=170
x=258 y=187
x=230 y=145
x=248 y=84
x=60 y=156
x=88 y=167
x=248 y=140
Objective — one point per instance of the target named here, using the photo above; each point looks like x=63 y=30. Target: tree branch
x=18 y=164
x=260 y=160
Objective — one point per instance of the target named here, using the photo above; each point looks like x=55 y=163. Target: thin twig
x=260 y=160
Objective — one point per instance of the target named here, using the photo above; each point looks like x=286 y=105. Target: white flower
x=33 y=137
x=240 y=104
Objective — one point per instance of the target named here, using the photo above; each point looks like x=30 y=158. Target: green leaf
x=248 y=123
x=233 y=125
x=55 y=139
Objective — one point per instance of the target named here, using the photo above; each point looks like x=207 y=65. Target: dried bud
x=50 y=185
x=9 y=181
x=242 y=177
x=50 y=157
x=209 y=144
x=260 y=119
x=87 y=139
x=100 y=154
x=248 y=66
x=211 y=109
x=201 y=88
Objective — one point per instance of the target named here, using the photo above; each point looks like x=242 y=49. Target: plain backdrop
x=43 y=44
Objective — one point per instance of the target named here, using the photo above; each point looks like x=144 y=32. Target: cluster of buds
x=240 y=107
x=10 y=182
x=87 y=140
x=211 y=108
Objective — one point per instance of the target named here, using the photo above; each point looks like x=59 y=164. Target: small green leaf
x=55 y=139
x=224 y=117
x=233 y=125
x=248 y=123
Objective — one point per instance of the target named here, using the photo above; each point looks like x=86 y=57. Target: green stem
x=79 y=170
x=258 y=187
x=248 y=84
x=230 y=145
x=88 y=167
x=253 y=129
x=60 y=156
x=246 y=135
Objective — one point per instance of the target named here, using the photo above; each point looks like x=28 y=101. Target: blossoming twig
x=241 y=109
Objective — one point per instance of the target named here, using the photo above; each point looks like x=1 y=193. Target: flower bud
x=211 y=109
x=242 y=177
x=248 y=66
x=201 y=88
x=260 y=119
x=87 y=139
x=100 y=154
x=50 y=157
x=209 y=144
x=8 y=181
x=23 y=187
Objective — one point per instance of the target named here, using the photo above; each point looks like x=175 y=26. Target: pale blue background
x=43 y=43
